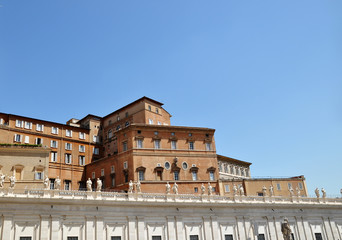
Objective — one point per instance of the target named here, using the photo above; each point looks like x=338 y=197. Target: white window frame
x=157 y=144
x=68 y=158
x=226 y=188
x=208 y=146
x=54 y=156
x=39 y=127
x=81 y=160
x=41 y=141
x=81 y=148
x=125 y=165
x=95 y=138
x=68 y=146
x=150 y=121
x=81 y=135
x=139 y=143
x=28 y=125
x=212 y=176
x=194 y=175
x=191 y=145
x=96 y=151
x=18 y=138
x=173 y=144
x=141 y=175
x=68 y=133
x=27 y=140
x=54 y=130
x=19 y=123
x=54 y=144
x=39 y=175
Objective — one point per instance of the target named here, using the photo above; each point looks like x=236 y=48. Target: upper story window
x=1 y=121
x=190 y=134
x=53 y=156
x=300 y=185
x=149 y=107
x=226 y=188
x=141 y=175
x=139 y=143
x=96 y=151
x=208 y=146
x=125 y=165
x=278 y=186
x=157 y=110
x=124 y=146
x=39 y=141
x=118 y=127
x=81 y=148
x=95 y=139
x=112 y=169
x=68 y=146
x=39 y=175
x=191 y=145
x=39 y=127
x=18 y=137
x=102 y=172
x=173 y=134
x=68 y=133
x=81 y=160
x=289 y=185
x=68 y=158
x=156 y=133
x=126 y=124
x=54 y=144
x=150 y=121
x=19 y=123
x=159 y=123
x=167 y=165
x=54 y=130
x=110 y=134
x=194 y=175
x=82 y=135
x=173 y=144
x=157 y=144
x=211 y=176
x=176 y=175
x=28 y=125
x=126 y=114
x=118 y=118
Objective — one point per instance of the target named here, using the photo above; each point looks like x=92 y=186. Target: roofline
x=234 y=159
x=132 y=103
x=35 y=119
x=171 y=126
x=89 y=115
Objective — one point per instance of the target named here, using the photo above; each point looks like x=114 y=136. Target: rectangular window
x=193 y=237
x=68 y=133
x=196 y=189
x=17 y=137
x=28 y=125
x=81 y=148
x=211 y=176
x=54 y=144
x=141 y=175
x=67 y=185
x=318 y=236
x=113 y=181
x=25 y=238
x=208 y=146
x=191 y=146
x=96 y=151
x=1 y=121
x=81 y=135
x=125 y=165
x=289 y=185
x=226 y=188
x=72 y=238
x=52 y=183
x=39 y=127
x=39 y=141
x=261 y=236
x=39 y=176
x=54 y=130
x=68 y=146
x=81 y=160
x=19 y=123
x=173 y=144
x=157 y=144
x=124 y=146
x=150 y=121
x=112 y=169
x=95 y=138
x=115 y=238
x=68 y=158
x=176 y=175
x=102 y=172
x=53 y=156
x=194 y=176
x=139 y=143
x=93 y=175
x=300 y=185
x=27 y=139
x=278 y=186
x=156 y=238
x=228 y=237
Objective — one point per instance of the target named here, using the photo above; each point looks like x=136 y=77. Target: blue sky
x=265 y=74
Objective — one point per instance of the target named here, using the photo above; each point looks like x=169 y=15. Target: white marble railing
x=159 y=197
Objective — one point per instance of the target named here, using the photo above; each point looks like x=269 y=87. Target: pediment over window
x=211 y=169
x=158 y=169
x=141 y=168
x=175 y=168
x=194 y=169
x=38 y=168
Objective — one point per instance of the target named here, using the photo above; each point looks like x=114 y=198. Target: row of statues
x=12 y=180
x=324 y=194
x=98 y=185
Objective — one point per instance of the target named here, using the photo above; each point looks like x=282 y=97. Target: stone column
x=207 y=228
x=8 y=227
x=241 y=228
x=99 y=229
x=171 y=227
x=45 y=227
x=327 y=228
x=215 y=228
x=180 y=229
x=141 y=228
x=272 y=228
x=132 y=233
x=307 y=230
x=90 y=228
x=55 y=228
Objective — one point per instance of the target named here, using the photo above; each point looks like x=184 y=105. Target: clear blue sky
x=267 y=75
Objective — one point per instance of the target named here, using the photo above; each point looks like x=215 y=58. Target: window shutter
x=51 y=144
x=56 y=144
x=15 y=137
x=70 y=133
x=27 y=139
x=22 y=124
x=57 y=130
x=70 y=146
x=42 y=128
x=66 y=145
x=30 y=125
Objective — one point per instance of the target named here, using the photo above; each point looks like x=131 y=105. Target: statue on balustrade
x=12 y=181
x=175 y=188
x=317 y=192
x=57 y=183
x=168 y=187
x=2 y=180
x=202 y=189
x=324 y=193
x=210 y=189
x=138 y=186
x=98 y=185
x=89 y=183
x=264 y=191
x=46 y=182
x=271 y=191
x=130 y=186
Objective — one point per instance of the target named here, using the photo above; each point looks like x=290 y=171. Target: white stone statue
x=57 y=183
x=168 y=187
x=175 y=188
x=317 y=192
x=324 y=194
x=89 y=183
x=98 y=185
x=130 y=186
x=202 y=189
x=242 y=191
x=271 y=191
x=46 y=182
x=264 y=191
x=234 y=190
x=286 y=230
x=210 y=189
x=2 y=180
x=138 y=186
x=12 y=181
